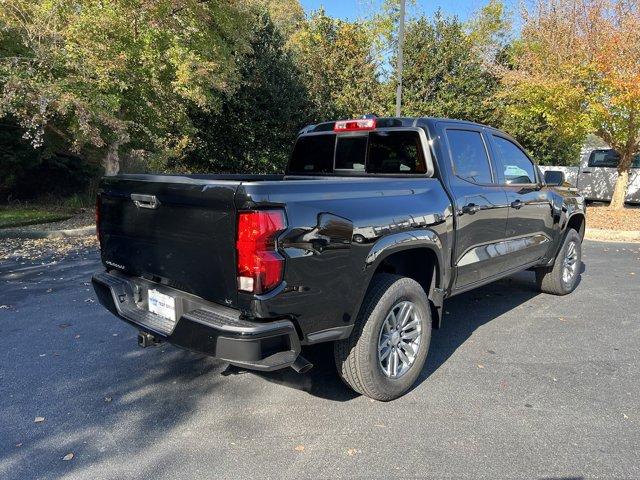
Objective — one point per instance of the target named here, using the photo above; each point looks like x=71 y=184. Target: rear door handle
x=586 y=171
x=471 y=208
x=517 y=204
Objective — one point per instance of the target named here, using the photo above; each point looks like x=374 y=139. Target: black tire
x=357 y=356
x=550 y=279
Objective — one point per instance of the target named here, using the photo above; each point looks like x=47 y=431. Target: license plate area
x=162 y=304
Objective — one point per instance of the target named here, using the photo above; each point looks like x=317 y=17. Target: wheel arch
x=578 y=222
x=414 y=254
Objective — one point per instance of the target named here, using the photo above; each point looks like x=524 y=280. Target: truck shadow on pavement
x=105 y=400
x=463 y=315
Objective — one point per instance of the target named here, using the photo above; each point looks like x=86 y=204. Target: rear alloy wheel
x=387 y=349
x=563 y=277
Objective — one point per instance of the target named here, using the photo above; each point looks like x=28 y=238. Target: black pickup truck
x=375 y=223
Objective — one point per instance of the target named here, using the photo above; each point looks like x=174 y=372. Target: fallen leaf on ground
x=351 y=452
x=38 y=420
x=299 y=448
x=107 y=399
x=480 y=365
x=77 y=336
x=67 y=457
x=18 y=445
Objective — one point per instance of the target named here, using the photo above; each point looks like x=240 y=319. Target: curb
x=74 y=232
x=602 y=235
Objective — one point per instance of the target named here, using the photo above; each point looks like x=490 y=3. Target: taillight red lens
x=98 y=217
x=260 y=266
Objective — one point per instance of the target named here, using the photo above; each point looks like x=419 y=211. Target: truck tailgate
x=181 y=231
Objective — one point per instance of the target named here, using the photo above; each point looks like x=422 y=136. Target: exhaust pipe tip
x=302 y=365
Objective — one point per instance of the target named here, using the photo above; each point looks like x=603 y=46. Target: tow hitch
x=147 y=340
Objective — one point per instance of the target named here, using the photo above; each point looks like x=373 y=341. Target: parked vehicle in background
x=598 y=174
x=374 y=224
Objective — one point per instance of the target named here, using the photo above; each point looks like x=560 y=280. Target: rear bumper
x=202 y=326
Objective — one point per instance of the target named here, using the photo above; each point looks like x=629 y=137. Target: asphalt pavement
x=517 y=385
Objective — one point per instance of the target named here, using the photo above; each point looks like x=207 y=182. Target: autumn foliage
x=578 y=64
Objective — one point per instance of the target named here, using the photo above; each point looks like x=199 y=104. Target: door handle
x=517 y=204
x=586 y=171
x=471 y=208
x=145 y=201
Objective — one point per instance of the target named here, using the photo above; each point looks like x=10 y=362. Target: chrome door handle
x=517 y=204
x=145 y=201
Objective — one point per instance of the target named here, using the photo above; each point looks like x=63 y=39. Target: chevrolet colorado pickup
x=375 y=222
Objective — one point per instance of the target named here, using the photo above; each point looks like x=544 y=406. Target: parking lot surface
x=517 y=385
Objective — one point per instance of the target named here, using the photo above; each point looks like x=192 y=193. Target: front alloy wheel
x=570 y=263
x=399 y=339
x=563 y=276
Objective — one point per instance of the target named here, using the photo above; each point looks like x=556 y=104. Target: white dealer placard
x=162 y=304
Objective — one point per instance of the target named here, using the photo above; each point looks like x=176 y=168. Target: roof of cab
x=389 y=122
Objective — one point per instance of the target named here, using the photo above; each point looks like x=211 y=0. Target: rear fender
x=411 y=240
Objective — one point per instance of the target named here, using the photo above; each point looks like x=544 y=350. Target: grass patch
x=22 y=216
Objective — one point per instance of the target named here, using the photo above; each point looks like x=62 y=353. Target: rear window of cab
x=382 y=152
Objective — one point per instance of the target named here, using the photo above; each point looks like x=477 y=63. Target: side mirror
x=554 y=178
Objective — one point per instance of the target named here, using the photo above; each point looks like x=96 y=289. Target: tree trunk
x=111 y=161
x=620 y=190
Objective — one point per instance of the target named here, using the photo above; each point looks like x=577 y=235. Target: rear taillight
x=260 y=266
x=98 y=217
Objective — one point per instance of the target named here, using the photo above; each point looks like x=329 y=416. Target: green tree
x=256 y=125
x=108 y=76
x=339 y=66
x=287 y=15
x=443 y=74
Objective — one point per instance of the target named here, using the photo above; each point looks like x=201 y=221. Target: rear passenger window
x=395 y=152
x=469 y=155
x=313 y=154
x=351 y=152
x=517 y=166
